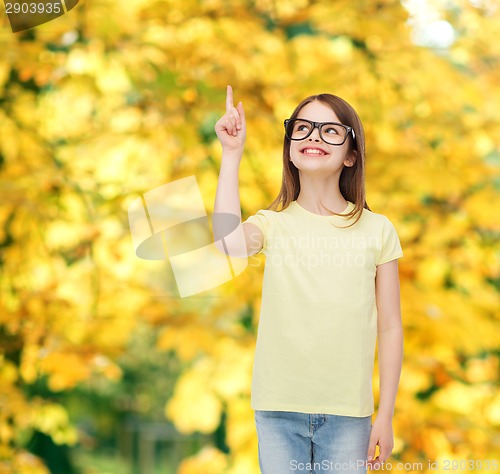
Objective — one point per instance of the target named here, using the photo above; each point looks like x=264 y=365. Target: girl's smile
x=313 y=151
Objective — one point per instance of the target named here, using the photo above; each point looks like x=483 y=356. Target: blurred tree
x=117 y=98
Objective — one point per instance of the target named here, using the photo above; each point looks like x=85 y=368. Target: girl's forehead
x=318 y=112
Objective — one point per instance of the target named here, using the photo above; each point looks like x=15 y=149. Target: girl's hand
x=382 y=436
x=231 y=127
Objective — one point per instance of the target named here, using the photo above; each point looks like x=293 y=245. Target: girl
x=330 y=288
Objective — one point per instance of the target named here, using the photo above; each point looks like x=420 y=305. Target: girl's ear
x=351 y=159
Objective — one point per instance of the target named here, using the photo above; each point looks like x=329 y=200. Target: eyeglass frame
x=319 y=125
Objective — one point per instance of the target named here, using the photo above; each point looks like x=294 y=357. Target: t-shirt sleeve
x=261 y=220
x=391 y=246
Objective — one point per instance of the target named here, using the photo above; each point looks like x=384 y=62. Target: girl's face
x=312 y=153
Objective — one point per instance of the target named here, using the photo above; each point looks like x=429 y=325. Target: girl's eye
x=332 y=131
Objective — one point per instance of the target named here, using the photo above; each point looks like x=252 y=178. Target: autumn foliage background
x=117 y=98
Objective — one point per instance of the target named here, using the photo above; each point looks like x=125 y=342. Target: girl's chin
x=312 y=165
x=315 y=161
x=316 y=169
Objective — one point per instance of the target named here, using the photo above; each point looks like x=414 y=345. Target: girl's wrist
x=232 y=155
x=385 y=415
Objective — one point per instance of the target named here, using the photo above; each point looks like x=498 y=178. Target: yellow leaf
x=493 y=411
x=29 y=363
x=233 y=369
x=462 y=399
x=240 y=424
x=65 y=370
x=194 y=406
x=208 y=461
x=432 y=271
x=51 y=418
x=8 y=371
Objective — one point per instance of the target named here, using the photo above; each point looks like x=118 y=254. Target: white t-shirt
x=318 y=320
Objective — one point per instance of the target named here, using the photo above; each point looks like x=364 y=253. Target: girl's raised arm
x=231 y=131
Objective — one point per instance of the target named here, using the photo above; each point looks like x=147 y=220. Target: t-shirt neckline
x=348 y=209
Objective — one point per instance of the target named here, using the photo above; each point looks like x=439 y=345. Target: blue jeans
x=303 y=443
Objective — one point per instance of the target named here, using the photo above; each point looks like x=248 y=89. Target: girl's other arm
x=390 y=357
x=231 y=131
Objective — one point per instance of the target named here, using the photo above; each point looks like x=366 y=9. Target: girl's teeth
x=313 y=152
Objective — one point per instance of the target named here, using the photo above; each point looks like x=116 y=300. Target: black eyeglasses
x=332 y=133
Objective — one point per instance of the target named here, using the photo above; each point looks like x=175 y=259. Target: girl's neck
x=316 y=193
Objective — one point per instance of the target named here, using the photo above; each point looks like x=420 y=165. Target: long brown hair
x=352 y=179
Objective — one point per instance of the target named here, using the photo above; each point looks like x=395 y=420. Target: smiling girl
x=330 y=288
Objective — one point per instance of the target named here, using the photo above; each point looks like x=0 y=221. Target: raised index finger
x=229 y=99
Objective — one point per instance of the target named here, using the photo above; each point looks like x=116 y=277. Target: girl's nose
x=315 y=135
x=316 y=139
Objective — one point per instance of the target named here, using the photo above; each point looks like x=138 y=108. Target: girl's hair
x=352 y=179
